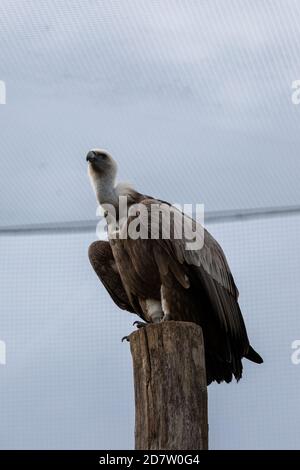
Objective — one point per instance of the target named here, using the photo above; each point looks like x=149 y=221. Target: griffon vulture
x=159 y=279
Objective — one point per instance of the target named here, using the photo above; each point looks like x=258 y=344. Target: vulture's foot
x=166 y=317
x=139 y=324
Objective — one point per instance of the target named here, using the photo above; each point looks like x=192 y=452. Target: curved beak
x=91 y=157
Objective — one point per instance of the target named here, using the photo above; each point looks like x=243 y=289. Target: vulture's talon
x=139 y=324
x=125 y=337
x=166 y=317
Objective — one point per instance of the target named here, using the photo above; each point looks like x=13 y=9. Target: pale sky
x=192 y=99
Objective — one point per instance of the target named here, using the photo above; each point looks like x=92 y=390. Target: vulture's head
x=101 y=164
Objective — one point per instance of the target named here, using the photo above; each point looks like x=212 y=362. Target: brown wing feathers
x=198 y=286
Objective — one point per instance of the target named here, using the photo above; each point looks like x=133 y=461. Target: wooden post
x=170 y=387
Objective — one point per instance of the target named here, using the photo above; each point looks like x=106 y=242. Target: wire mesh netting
x=68 y=378
x=197 y=102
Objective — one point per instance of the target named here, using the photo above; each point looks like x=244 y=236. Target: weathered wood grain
x=170 y=387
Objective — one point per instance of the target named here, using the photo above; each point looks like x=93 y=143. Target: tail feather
x=253 y=356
